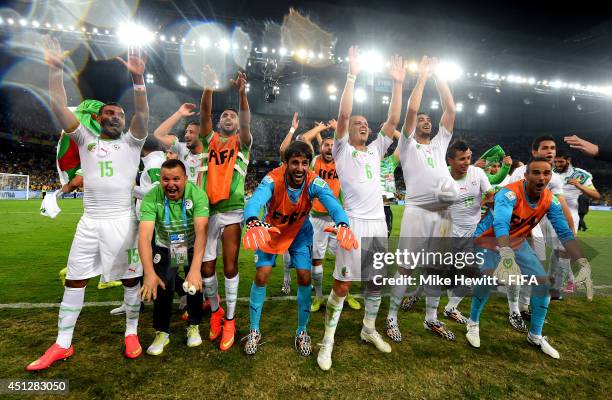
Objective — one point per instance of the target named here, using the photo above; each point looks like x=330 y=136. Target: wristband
x=140 y=88
x=350 y=77
x=292 y=130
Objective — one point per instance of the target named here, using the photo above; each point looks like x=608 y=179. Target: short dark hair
x=110 y=103
x=327 y=136
x=543 y=138
x=515 y=165
x=230 y=109
x=172 y=163
x=191 y=122
x=456 y=146
x=564 y=154
x=298 y=148
x=423 y=113
x=537 y=159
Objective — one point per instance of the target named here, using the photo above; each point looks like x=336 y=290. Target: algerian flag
x=493 y=155
x=67 y=156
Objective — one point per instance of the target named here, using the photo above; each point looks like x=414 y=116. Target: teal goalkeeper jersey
x=153 y=209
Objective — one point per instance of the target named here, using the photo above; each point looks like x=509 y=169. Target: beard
x=110 y=129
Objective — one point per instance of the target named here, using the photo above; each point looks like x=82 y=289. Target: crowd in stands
x=32 y=152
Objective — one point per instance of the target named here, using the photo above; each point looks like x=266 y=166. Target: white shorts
x=348 y=263
x=216 y=225
x=322 y=241
x=419 y=225
x=107 y=247
x=543 y=235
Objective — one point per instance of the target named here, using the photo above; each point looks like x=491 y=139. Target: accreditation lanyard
x=178 y=241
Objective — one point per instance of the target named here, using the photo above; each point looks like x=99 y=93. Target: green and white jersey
x=466 y=210
x=236 y=195
x=193 y=162
x=359 y=174
x=153 y=209
x=387 y=176
x=109 y=172
x=571 y=192
x=149 y=177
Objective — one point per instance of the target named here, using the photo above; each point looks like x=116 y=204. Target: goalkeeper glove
x=257 y=234
x=507 y=266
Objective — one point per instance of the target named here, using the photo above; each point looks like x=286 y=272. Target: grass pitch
x=422 y=366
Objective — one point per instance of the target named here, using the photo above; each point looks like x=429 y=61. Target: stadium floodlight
x=320 y=56
x=273 y=51
x=310 y=54
x=331 y=88
x=204 y=42
x=134 y=35
x=333 y=97
x=449 y=70
x=23 y=22
x=531 y=80
x=482 y=108
x=150 y=78
x=83 y=29
x=459 y=107
x=94 y=30
x=47 y=25
x=305 y=93
x=60 y=27
x=10 y=21
x=385 y=99
x=35 y=24
x=282 y=51
x=302 y=54
x=556 y=84
x=71 y=28
x=173 y=39
x=435 y=105
x=264 y=49
x=182 y=80
x=413 y=67
x=360 y=95
x=372 y=61
x=248 y=87
x=225 y=45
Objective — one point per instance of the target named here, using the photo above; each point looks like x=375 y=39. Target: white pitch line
x=118 y=303
x=176 y=301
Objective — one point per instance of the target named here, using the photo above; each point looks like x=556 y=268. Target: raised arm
x=140 y=121
x=314 y=132
x=244 y=113
x=54 y=58
x=287 y=140
x=163 y=130
x=448 y=104
x=346 y=101
x=397 y=71
x=209 y=80
x=414 y=102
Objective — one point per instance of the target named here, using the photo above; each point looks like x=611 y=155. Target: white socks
x=69 y=311
x=211 y=291
x=317 y=280
x=132 y=309
x=333 y=309
x=231 y=296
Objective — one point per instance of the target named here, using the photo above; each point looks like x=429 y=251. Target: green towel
x=494 y=155
x=67 y=151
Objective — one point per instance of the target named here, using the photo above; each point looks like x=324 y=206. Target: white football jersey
x=571 y=192
x=425 y=169
x=109 y=172
x=359 y=174
x=465 y=212
x=193 y=162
